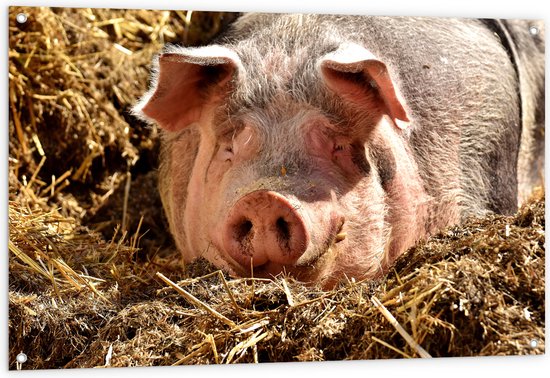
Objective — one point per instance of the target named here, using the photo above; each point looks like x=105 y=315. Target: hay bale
x=88 y=289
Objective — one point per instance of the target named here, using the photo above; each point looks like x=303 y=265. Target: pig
x=322 y=147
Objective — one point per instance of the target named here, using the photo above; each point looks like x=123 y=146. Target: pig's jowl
x=325 y=146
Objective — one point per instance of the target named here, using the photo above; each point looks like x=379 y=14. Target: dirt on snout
x=95 y=281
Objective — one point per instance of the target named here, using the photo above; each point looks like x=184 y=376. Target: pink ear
x=187 y=80
x=352 y=71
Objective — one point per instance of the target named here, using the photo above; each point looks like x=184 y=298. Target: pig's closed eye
x=228 y=153
x=341 y=153
x=351 y=158
x=225 y=152
x=340 y=150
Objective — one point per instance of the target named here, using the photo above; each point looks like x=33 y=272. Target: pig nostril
x=283 y=229
x=264 y=227
x=243 y=229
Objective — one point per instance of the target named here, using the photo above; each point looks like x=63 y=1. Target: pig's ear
x=354 y=72
x=186 y=81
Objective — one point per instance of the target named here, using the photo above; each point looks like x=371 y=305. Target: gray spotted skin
x=475 y=106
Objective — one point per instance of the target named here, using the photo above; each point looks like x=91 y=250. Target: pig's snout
x=265 y=227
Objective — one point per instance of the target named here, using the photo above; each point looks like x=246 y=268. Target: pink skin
x=210 y=224
x=340 y=219
x=262 y=227
x=377 y=230
x=271 y=233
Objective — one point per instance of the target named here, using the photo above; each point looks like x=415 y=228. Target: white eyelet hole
x=21 y=18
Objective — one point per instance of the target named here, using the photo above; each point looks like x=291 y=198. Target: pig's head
x=286 y=164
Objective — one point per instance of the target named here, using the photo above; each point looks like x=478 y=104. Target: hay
x=470 y=291
x=74 y=75
x=86 y=291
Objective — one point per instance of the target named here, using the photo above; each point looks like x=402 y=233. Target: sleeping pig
x=325 y=146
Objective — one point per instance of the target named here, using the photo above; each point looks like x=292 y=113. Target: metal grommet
x=533 y=343
x=534 y=30
x=21 y=18
x=20 y=360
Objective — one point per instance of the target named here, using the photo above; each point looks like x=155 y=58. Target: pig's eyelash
x=248 y=140
x=230 y=148
x=339 y=147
